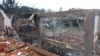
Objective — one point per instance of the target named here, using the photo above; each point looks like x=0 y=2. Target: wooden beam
x=65 y=44
x=90 y=29
x=41 y=51
x=89 y=33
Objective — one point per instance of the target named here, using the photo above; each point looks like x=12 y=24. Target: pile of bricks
x=13 y=47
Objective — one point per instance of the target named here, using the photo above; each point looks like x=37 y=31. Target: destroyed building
x=12 y=45
x=65 y=33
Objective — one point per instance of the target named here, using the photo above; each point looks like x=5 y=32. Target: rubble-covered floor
x=13 y=47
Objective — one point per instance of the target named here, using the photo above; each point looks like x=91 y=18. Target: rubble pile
x=13 y=47
x=70 y=37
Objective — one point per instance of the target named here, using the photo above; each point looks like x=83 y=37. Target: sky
x=55 y=5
